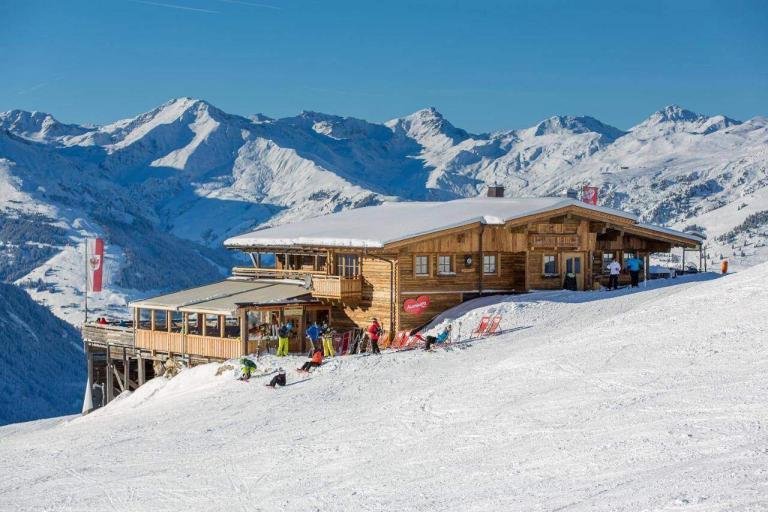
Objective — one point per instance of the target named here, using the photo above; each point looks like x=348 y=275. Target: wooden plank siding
x=519 y=247
x=374 y=298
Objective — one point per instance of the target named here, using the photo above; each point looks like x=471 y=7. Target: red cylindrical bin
x=724 y=266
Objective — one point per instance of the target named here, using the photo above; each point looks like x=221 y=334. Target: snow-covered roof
x=377 y=226
x=223 y=297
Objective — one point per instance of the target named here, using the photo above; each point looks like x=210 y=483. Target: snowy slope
x=187 y=171
x=652 y=399
x=41 y=361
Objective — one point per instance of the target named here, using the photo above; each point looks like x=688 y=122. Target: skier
x=374 y=332
x=277 y=380
x=317 y=360
x=634 y=265
x=313 y=333
x=248 y=367
x=613 y=280
x=282 y=339
x=440 y=338
x=328 y=344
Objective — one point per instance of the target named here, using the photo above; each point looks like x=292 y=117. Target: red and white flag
x=589 y=195
x=95 y=264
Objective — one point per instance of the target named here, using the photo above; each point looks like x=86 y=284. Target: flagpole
x=86 y=282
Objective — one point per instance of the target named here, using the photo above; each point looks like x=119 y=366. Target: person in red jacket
x=317 y=360
x=374 y=332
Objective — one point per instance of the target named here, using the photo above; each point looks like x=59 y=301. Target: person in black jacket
x=277 y=380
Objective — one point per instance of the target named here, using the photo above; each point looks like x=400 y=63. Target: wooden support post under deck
x=140 y=363
x=243 y=315
x=90 y=376
x=126 y=368
x=109 y=384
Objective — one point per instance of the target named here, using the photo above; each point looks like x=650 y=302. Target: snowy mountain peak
x=676 y=113
x=675 y=118
x=38 y=126
x=429 y=127
x=559 y=125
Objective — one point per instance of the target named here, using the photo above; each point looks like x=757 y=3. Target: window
x=573 y=265
x=194 y=324
x=445 y=265
x=629 y=255
x=489 y=264
x=231 y=327
x=212 y=326
x=161 y=320
x=421 y=265
x=145 y=321
x=550 y=264
x=348 y=265
x=177 y=321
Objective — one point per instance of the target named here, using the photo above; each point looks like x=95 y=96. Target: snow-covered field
x=653 y=399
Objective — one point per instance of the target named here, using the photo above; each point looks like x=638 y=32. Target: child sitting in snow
x=278 y=380
x=440 y=338
x=317 y=360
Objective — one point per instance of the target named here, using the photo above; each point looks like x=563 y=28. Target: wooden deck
x=108 y=335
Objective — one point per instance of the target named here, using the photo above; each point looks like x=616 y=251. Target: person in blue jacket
x=440 y=338
x=634 y=265
x=313 y=333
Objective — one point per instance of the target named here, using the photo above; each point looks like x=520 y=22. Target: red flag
x=589 y=195
x=95 y=263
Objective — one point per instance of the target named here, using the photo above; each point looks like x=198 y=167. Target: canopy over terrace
x=210 y=320
x=224 y=297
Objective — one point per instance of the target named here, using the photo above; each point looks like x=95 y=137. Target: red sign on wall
x=589 y=195
x=416 y=306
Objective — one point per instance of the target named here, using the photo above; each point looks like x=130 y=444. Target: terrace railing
x=337 y=287
x=108 y=334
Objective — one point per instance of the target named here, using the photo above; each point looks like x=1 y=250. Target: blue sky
x=484 y=65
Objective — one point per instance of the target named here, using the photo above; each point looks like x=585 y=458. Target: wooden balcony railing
x=108 y=334
x=273 y=273
x=336 y=287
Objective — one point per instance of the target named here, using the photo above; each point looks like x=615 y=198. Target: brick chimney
x=495 y=191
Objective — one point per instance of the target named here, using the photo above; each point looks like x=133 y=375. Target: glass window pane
x=145 y=322
x=212 y=325
x=489 y=264
x=161 y=323
x=194 y=326
x=577 y=264
x=550 y=264
x=444 y=264
x=177 y=321
x=232 y=327
x=422 y=265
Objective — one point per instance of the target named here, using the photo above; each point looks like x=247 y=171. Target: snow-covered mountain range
x=166 y=187
x=45 y=375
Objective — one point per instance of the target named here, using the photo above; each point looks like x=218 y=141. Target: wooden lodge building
x=402 y=262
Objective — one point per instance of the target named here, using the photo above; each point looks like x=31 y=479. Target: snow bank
x=646 y=399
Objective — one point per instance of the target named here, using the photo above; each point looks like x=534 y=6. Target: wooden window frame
x=429 y=265
x=452 y=262
x=496 y=264
x=556 y=259
x=340 y=268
